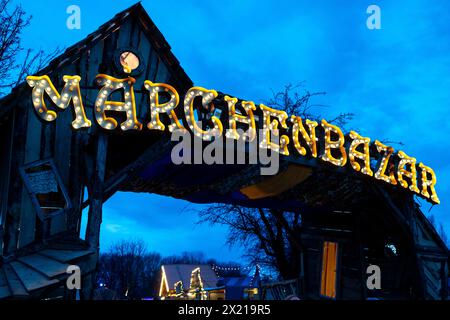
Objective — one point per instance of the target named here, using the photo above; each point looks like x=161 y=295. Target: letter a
x=74 y=280
x=374 y=280
x=374 y=20
x=74 y=20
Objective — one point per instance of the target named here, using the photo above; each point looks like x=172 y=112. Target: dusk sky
x=396 y=81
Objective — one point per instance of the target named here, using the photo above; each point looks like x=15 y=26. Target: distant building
x=189 y=281
x=200 y=282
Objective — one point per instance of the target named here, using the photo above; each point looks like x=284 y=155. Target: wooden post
x=76 y=183
x=12 y=219
x=96 y=196
x=95 y=208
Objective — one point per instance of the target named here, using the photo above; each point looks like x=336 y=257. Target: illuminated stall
x=189 y=282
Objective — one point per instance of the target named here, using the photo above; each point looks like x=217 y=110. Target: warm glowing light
x=334 y=145
x=387 y=152
x=305 y=133
x=428 y=183
x=310 y=139
x=402 y=172
x=168 y=107
x=271 y=119
x=129 y=61
x=249 y=119
x=355 y=154
x=164 y=282
x=207 y=97
x=71 y=92
x=102 y=104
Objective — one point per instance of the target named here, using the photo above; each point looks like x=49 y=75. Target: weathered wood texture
x=34 y=139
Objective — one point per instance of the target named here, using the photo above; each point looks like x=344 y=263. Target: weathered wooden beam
x=12 y=220
x=95 y=209
x=152 y=153
x=7 y=132
x=96 y=196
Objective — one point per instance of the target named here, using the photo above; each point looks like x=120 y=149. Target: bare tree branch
x=12 y=70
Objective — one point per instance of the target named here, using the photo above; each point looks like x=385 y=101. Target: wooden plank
x=32 y=147
x=4 y=289
x=31 y=279
x=145 y=49
x=135 y=36
x=96 y=194
x=75 y=175
x=65 y=255
x=5 y=164
x=163 y=73
x=32 y=153
x=62 y=144
x=27 y=221
x=45 y=265
x=125 y=34
x=15 y=189
x=51 y=149
x=15 y=285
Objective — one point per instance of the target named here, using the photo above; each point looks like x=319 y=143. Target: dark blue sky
x=396 y=80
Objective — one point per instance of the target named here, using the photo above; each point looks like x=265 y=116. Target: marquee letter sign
x=392 y=168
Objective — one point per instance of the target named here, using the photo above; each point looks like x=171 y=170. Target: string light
x=270 y=126
x=156 y=108
x=164 y=281
x=70 y=93
x=428 y=183
x=110 y=85
x=355 y=154
x=248 y=107
x=310 y=139
x=207 y=97
x=402 y=172
x=273 y=121
x=386 y=151
x=334 y=144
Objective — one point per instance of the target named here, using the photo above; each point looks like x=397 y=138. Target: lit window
x=329 y=263
x=129 y=61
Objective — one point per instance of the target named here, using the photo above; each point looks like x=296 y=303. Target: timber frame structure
x=348 y=222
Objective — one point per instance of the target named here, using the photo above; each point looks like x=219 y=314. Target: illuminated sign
x=355 y=151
